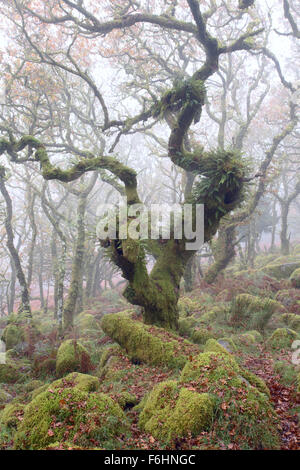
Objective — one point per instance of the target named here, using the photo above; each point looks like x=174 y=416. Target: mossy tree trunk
x=219 y=188
x=224 y=250
x=76 y=275
x=25 y=297
x=189 y=275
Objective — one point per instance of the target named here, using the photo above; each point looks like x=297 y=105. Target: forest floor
x=205 y=313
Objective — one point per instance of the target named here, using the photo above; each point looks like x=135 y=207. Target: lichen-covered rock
x=253 y=311
x=295 y=278
x=12 y=415
x=72 y=356
x=65 y=414
x=173 y=411
x=144 y=343
x=282 y=338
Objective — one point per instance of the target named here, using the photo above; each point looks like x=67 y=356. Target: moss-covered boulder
x=63 y=414
x=282 y=338
x=186 y=325
x=242 y=400
x=4 y=396
x=252 y=311
x=12 y=415
x=224 y=345
x=8 y=373
x=201 y=335
x=21 y=333
x=145 y=343
x=280 y=270
x=72 y=356
x=126 y=400
x=295 y=278
x=12 y=336
x=292 y=321
x=173 y=411
x=83 y=382
x=213 y=394
x=33 y=385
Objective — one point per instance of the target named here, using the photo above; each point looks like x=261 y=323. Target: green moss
x=263 y=260
x=4 y=396
x=214 y=314
x=86 y=321
x=185 y=325
x=201 y=335
x=12 y=415
x=83 y=382
x=126 y=400
x=186 y=306
x=39 y=390
x=282 y=338
x=280 y=270
x=216 y=364
x=72 y=356
x=243 y=399
x=256 y=382
x=33 y=385
x=12 y=336
x=295 y=278
x=145 y=343
x=287 y=372
x=171 y=411
x=256 y=334
x=225 y=345
x=292 y=320
x=108 y=353
x=213 y=394
x=82 y=416
x=8 y=373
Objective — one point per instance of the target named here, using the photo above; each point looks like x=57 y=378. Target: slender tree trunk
x=25 y=299
x=285 y=242
x=223 y=253
x=76 y=276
